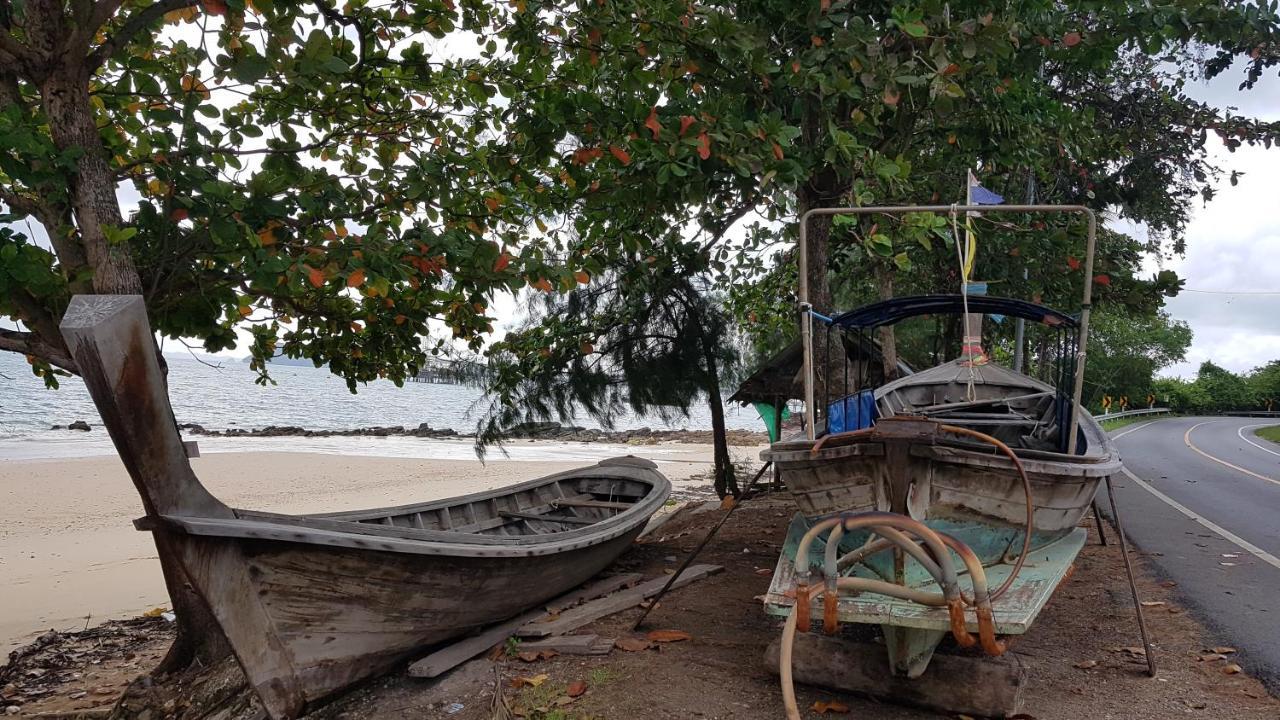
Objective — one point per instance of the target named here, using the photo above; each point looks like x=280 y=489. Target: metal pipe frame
x=806 y=320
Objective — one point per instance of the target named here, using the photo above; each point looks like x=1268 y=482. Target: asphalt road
x=1203 y=503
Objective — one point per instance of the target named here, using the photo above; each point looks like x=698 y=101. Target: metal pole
x=806 y=325
x=1133 y=585
x=696 y=551
x=1085 y=303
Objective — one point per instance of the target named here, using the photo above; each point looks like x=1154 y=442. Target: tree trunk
x=725 y=482
x=65 y=97
x=888 y=341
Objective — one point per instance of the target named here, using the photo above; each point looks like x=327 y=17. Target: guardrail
x=1252 y=413
x=1130 y=413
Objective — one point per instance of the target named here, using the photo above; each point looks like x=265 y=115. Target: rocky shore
x=532 y=431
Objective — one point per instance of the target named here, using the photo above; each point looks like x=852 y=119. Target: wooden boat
x=312 y=604
x=952 y=478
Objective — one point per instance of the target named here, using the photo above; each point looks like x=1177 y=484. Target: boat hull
x=961 y=486
x=331 y=616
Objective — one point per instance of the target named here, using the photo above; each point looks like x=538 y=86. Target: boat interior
x=552 y=506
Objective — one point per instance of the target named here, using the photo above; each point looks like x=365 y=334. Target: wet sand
x=69 y=555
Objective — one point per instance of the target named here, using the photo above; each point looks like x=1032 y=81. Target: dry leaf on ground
x=668 y=636
x=632 y=644
x=533 y=681
x=1086 y=664
x=1232 y=669
x=1224 y=650
x=822 y=707
x=576 y=688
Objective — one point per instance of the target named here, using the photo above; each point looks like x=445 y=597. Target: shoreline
x=71 y=556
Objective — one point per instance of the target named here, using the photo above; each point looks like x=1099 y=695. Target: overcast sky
x=1233 y=246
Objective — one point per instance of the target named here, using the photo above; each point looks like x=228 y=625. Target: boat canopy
x=889 y=312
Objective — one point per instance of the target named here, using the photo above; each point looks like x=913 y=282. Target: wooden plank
x=449 y=657
x=570 y=502
x=591 y=591
x=592 y=611
x=570 y=645
x=548 y=518
x=990 y=687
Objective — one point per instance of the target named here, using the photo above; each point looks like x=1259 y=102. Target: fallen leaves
x=1086 y=664
x=1232 y=669
x=576 y=689
x=530 y=681
x=668 y=636
x=822 y=707
x=632 y=644
x=536 y=655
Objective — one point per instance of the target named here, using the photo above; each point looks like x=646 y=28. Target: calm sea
x=226 y=397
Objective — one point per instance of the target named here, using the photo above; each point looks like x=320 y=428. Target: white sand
x=69 y=554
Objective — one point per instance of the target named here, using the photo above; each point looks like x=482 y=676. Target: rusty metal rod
x=1133 y=584
x=1097 y=517
x=688 y=560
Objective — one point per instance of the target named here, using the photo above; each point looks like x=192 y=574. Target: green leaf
x=902 y=261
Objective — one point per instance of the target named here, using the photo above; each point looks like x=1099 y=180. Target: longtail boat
x=943 y=502
x=312 y=604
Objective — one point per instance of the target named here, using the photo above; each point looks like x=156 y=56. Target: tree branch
x=29 y=344
x=135 y=24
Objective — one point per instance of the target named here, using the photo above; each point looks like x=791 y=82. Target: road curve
x=1201 y=497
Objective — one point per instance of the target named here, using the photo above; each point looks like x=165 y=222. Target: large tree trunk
x=65 y=97
x=888 y=341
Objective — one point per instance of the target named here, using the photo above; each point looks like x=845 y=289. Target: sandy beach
x=69 y=554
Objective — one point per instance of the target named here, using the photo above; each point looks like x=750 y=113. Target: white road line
x=1186 y=438
x=1227 y=535
x=1240 y=432
x=1134 y=429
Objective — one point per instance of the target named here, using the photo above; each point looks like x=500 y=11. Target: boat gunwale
x=356 y=535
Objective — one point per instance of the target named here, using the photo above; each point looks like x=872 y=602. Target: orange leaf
x=214 y=7
x=576 y=689
x=685 y=122
x=891 y=96
x=824 y=5
x=623 y=156
x=502 y=262
x=543 y=284
x=582 y=156
x=316 y=277
x=400 y=319
x=652 y=123
x=356 y=278
x=817 y=41
x=582 y=277
x=777 y=150
x=632 y=644
x=586 y=348
x=795 y=66
x=1071 y=39
x=951 y=69
x=1073 y=263
x=830 y=706
x=178 y=214
x=1102 y=280
x=641 y=50
x=704 y=146
x=492 y=203
x=668 y=636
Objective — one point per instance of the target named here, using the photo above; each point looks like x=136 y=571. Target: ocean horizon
x=225 y=396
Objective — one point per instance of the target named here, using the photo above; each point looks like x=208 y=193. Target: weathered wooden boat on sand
x=312 y=604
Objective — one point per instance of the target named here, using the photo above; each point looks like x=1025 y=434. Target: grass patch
x=1118 y=423
x=600 y=676
x=1271 y=433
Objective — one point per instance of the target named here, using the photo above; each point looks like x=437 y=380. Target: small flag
x=979 y=195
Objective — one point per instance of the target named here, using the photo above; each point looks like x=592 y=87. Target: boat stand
x=912 y=631
x=1128 y=569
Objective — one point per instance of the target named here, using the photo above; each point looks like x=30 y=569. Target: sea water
x=224 y=396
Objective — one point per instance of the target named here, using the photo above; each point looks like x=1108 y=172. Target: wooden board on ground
x=583 y=614
x=986 y=687
x=570 y=645
x=453 y=655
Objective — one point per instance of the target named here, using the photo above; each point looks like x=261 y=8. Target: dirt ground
x=1076 y=653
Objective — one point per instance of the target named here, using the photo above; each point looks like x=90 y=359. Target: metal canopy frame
x=891 y=312
x=806 y=321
